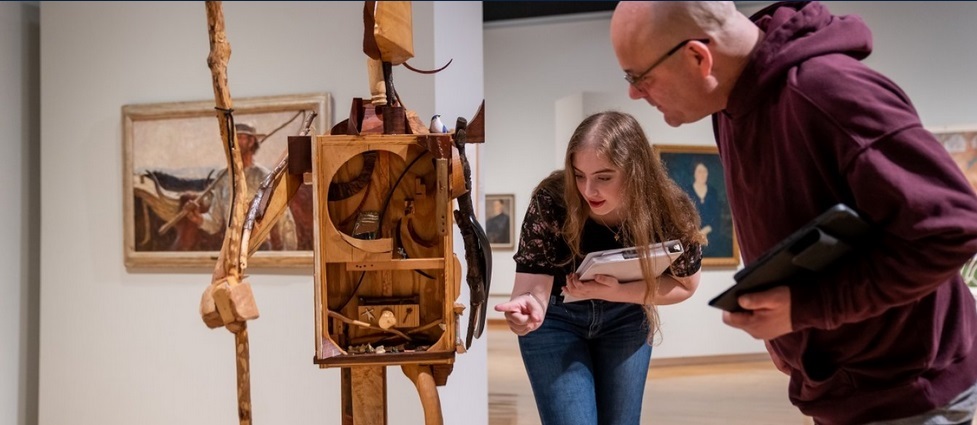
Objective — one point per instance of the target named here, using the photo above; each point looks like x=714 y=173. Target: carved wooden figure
x=386 y=275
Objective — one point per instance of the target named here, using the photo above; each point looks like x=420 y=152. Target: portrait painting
x=961 y=143
x=177 y=191
x=499 y=222
x=698 y=171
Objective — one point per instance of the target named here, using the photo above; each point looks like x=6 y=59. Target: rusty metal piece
x=299 y=154
x=421 y=71
x=394 y=119
x=478 y=253
x=475 y=133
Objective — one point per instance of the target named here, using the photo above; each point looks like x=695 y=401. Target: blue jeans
x=588 y=362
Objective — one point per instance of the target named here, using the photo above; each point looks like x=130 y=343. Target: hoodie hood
x=793 y=33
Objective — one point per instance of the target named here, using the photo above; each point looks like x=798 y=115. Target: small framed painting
x=499 y=224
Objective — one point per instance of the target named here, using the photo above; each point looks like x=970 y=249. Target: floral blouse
x=542 y=249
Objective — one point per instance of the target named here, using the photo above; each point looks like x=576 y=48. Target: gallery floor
x=747 y=393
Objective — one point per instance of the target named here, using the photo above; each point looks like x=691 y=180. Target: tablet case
x=625 y=264
x=808 y=251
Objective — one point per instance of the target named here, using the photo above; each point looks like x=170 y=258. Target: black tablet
x=809 y=250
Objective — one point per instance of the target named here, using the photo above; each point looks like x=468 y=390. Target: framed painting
x=175 y=189
x=961 y=143
x=499 y=224
x=698 y=171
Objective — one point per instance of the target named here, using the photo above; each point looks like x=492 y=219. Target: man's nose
x=635 y=92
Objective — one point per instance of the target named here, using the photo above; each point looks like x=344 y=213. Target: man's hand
x=768 y=316
x=192 y=209
x=523 y=313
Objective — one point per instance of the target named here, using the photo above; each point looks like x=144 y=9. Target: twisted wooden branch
x=220 y=53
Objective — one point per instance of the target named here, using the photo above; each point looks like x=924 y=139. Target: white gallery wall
x=19 y=222
x=121 y=347
x=128 y=346
x=536 y=67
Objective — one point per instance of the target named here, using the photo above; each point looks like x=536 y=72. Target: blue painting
x=698 y=171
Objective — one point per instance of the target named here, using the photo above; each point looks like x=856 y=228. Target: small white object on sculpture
x=437 y=126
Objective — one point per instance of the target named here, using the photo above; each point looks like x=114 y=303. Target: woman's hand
x=603 y=287
x=523 y=313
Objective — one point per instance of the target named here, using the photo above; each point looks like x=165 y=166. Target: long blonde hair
x=656 y=208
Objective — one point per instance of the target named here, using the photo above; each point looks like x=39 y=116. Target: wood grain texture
x=369 y=395
x=423 y=378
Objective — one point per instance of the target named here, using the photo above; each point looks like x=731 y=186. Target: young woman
x=587 y=360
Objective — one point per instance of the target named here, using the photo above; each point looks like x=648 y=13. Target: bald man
x=888 y=336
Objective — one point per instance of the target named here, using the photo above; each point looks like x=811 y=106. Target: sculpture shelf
x=400 y=276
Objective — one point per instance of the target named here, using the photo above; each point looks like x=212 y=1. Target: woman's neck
x=611 y=220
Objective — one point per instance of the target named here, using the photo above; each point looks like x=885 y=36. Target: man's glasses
x=635 y=79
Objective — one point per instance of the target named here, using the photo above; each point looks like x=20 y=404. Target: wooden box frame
x=370 y=267
x=182 y=139
x=681 y=161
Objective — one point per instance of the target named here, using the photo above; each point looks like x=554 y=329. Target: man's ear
x=702 y=57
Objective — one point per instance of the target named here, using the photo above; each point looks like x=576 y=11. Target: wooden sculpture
x=386 y=276
x=228 y=301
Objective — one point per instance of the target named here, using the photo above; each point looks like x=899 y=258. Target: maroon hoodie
x=892 y=333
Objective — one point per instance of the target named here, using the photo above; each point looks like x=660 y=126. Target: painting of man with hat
x=213 y=220
x=178 y=191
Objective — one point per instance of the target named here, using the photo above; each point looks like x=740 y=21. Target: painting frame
x=960 y=141
x=181 y=142
x=683 y=165
x=499 y=221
